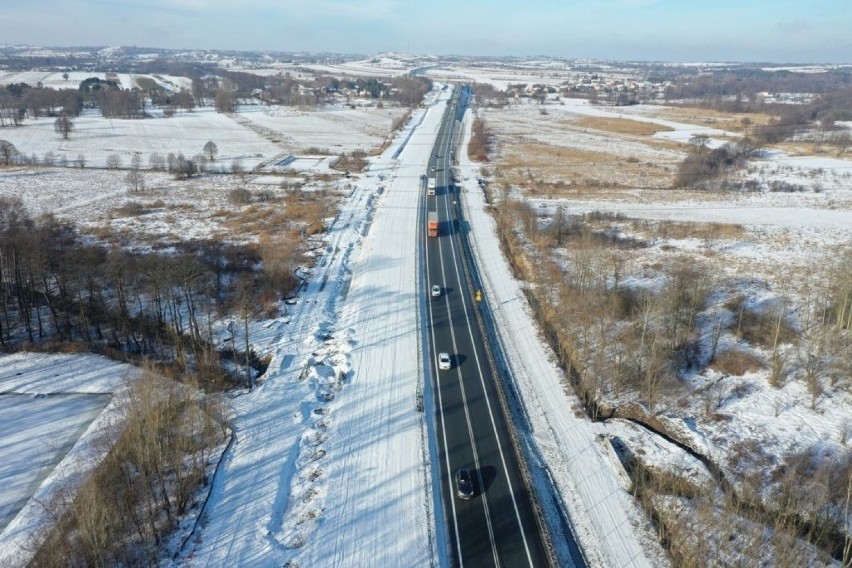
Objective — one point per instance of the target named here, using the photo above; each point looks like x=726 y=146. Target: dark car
x=464 y=483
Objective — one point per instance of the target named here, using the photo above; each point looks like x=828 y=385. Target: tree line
x=56 y=289
x=19 y=101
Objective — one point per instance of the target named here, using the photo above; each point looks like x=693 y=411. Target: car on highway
x=436 y=291
x=464 y=483
x=443 y=361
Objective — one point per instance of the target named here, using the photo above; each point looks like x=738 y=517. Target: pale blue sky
x=800 y=31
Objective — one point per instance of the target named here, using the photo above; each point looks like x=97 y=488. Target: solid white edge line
x=441 y=407
x=490 y=411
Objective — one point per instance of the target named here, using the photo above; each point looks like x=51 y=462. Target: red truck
x=432 y=224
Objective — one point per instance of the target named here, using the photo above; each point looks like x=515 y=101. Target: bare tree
x=842 y=140
x=699 y=142
x=225 y=99
x=8 y=152
x=157 y=162
x=211 y=150
x=63 y=125
x=134 y=177
x=184 y=168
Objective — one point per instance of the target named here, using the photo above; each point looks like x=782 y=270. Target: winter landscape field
x=678 y=351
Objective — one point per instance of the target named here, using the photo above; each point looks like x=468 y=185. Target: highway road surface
x=497 y=525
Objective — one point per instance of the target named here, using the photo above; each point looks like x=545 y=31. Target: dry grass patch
x=805 y=148
x=303 y=212
x=620 y=125
x=553 y=170
x=714 y=118
x=666 y=144
x=737 y=362
x=764 y=327
x=355 y=161
x=255 y=219
x=695 y=230
x=130 y=209
x=545 y=156
x=101 y=233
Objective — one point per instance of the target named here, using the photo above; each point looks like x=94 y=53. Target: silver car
x=444 y=361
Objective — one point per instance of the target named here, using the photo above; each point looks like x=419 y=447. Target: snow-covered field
x=38 y=431
x=330 y=463
x=57 y=80
x=58 y=411
x=386 y=65
x=254 y=135
x=499 y=76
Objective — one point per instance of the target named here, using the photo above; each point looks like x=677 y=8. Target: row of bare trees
x=53 y=288
x=19 y=101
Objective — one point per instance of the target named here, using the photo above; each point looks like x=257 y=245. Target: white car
x=436 y=291
x=444 y=361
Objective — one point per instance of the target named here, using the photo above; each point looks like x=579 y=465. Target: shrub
x=131 y=209
x=765 y=328
x=239 y=196
x=737 y=362
x=480 y=142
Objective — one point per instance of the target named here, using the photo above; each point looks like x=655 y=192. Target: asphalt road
x=496 y=527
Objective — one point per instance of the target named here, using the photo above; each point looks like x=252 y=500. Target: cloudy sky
x=800 y=31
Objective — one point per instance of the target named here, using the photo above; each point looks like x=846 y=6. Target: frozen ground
x=56 y=410
x=330 y=463
x=384 y=65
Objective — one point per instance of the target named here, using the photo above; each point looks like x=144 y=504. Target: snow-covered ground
x=499 y=76
x=385 y=65
x=56 y=80
x=329 y=464
x=254 y=135
x=56 y=412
